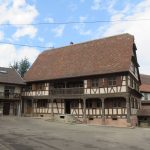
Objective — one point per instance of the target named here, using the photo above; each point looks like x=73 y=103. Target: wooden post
x=24 y=107
x=32 y=108
x=19 y=109
x=52 y=111
x=103 y=111
x=139 y=103
x=128 y=109
x=84 y=110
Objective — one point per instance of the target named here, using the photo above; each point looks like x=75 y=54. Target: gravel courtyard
x=38 y=134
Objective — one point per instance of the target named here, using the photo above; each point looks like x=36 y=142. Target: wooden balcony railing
x=54 y=91
x=35 y=93
x=66 y=91
x=74 y=91
x=9 y=95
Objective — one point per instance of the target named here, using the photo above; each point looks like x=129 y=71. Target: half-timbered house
x=144 y=112
x=96 y=81
x=10 y=91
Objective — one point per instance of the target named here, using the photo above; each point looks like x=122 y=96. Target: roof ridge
x=89 y=41
x=18 y=74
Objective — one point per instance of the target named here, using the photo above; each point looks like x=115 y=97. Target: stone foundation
x=109 y=122
x=134 y=120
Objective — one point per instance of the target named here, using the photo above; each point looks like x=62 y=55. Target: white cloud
x=18 y=3
x=41 y=39
x=96 y=4
x=50 y=45
x=59 y=30
x=140 y=29
x=18 y=12
x=9 y=54
x=81 y=28
x=25 y=31
x=49 y=19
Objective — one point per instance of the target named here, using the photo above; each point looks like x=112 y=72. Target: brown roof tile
x=145 y=86
x=10 y=76
x=102 y=56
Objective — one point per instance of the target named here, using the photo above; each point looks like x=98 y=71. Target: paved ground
x=38 y=134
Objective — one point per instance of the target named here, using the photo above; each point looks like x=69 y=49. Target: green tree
x=15 y=65
x=21 y=66
x=24 y=65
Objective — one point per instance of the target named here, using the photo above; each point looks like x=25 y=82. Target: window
x=146 y=96
x=3 y=72
x=40 y=86
x=99 y=104
x=27 y=88
x=42 y=103
x=75 y=84
x=88 y=104
x=117 y=103
x=9 y=89
x=132 y=103
x=112 y=81
x=59 y=85
x=94 y=82
x=93 y=103
x=75 y=104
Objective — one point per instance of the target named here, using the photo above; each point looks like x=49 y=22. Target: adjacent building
x=10 y=91
x=96 y=81
x=144 y=112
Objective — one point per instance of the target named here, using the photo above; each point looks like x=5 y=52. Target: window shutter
x=119 y=82
x=105 y=82
x=33 y=87
x=101 y=83
x=88 y=83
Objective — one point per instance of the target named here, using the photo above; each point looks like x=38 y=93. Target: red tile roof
x=145 y=86
x=102 y=56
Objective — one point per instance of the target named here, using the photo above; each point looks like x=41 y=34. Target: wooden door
x=6 y=108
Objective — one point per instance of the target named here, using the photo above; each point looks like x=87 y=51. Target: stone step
x=66 y=118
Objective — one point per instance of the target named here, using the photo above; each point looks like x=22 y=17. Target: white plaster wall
x=105 y=90
x=48 y=109
x=1 y=88
x=85 y=83
x=148 y=95
x=114 y=111
x=131 y=70
x=134 y=111
x=17 y=89
x=35 y=93
x=38 y=92
x=1 y=108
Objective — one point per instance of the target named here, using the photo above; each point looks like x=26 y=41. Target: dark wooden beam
x=103 y=111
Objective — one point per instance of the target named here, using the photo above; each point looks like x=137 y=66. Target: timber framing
x=96 y=81
x=10 y=91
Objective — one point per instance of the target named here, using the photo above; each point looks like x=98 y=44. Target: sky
x=23 y=16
